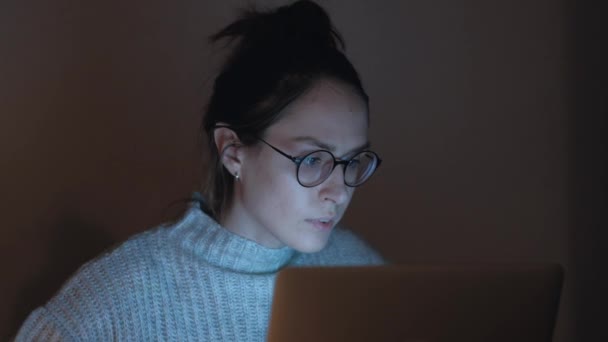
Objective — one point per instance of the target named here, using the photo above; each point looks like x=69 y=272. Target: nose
x=334 y=189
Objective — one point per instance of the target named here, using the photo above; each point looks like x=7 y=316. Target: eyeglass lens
x=317 y=166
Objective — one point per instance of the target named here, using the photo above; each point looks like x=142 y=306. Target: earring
x=236 y=176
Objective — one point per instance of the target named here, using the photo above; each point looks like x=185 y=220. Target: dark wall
x=589 y=233
x=489 y=116
x=100 y=104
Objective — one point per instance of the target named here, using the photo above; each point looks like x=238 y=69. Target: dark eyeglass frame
x=299 y=160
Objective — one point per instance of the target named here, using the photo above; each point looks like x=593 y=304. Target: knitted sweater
x=189 y=281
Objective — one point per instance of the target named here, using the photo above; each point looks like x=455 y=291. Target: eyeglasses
x=315 y=167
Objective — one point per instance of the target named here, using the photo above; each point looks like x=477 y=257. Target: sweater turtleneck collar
x=201 y=235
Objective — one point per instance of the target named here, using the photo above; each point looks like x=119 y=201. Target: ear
x=229 y=149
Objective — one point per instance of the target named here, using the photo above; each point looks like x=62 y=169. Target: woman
x=287 y=126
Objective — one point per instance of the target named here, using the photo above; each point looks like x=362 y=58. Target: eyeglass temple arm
x=292 y=158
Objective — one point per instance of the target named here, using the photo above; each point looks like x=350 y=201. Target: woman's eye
x=311 y=161
x=354 y=163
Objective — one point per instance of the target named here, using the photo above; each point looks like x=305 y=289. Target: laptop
x=417 y=303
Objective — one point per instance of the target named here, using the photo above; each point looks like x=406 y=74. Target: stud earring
x=236 y=176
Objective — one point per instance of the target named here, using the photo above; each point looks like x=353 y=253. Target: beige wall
x=100 y=103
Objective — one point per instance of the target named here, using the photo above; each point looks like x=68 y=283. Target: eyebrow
x=331 y=148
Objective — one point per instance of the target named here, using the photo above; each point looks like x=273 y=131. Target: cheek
x=288 y=194
x=351 y=193
x=272 y=188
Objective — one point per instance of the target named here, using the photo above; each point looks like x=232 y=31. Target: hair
x=279 y=55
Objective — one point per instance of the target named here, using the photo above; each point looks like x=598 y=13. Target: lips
x=323 y=224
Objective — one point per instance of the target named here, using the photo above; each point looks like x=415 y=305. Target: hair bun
x=305 y=22
x=299 y=26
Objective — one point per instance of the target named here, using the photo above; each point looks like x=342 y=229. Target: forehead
x=329 y=112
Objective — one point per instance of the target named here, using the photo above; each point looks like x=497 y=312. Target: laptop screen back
x=416 y=303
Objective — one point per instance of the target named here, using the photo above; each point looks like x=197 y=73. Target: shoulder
x=105 y=290
x=40 y=326
x=344 y=248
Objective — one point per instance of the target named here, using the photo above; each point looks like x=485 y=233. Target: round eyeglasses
x=315 y=167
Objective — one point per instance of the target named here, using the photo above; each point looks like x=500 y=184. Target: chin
x=312 y=246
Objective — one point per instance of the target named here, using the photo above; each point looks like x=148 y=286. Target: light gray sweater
x=189 y=281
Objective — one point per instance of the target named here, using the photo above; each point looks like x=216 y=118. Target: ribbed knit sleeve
x=40 y=326
x=109 y=297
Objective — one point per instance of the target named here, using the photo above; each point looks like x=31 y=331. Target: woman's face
x=270 y=206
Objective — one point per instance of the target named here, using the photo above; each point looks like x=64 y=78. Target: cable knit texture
x=189 y=281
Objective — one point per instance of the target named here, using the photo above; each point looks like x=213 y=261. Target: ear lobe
x=228 y=145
